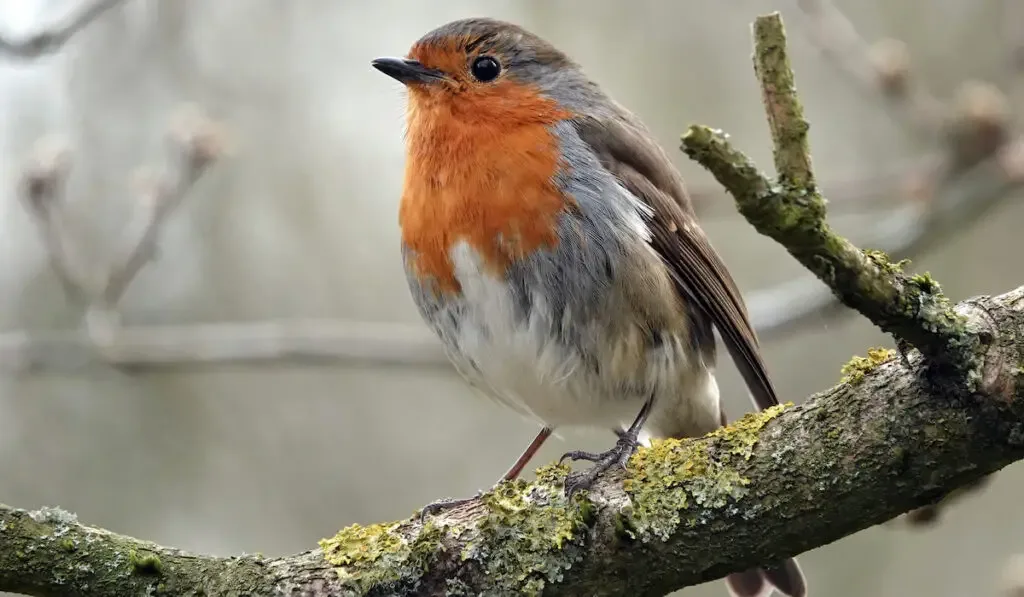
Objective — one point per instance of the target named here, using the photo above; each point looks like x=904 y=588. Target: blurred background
x=276 y=430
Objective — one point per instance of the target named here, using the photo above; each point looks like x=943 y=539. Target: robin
x=550 y=244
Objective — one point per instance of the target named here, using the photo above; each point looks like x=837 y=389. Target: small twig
x=912 y=309
x=903 y=233
x=53 y=38
x=42 y=189
x=194 y=144
x=975 y=172
x=786 y=121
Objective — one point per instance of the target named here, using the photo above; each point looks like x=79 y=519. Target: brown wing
x=627 y=150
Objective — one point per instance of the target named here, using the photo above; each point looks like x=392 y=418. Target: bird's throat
x=494 y=191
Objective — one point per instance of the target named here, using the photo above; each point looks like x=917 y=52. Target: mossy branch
x=785 y=114
x=792 y=211
x=683 y=512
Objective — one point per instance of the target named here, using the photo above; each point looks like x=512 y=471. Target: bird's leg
x=617 y=456
x=513 y=472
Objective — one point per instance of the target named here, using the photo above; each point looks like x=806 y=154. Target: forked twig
x=194 y=143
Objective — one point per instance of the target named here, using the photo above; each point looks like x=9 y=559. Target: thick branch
x=684 y=512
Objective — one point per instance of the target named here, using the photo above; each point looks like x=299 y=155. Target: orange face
x=481 y=160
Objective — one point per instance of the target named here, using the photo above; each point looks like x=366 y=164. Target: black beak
x=407 y=71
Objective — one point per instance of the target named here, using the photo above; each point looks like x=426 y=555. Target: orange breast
x=480 y=177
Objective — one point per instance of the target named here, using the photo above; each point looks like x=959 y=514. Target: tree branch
x=684 y=512
x=792 y=212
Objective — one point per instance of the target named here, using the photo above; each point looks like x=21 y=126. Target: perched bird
x=550 y=244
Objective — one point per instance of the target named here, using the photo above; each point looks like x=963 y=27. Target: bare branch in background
x=330 y=343
x=41 y=190
x=193 y=144
x=885 y=66
x=53 y=38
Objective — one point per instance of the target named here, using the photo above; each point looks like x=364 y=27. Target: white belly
x=523 y=365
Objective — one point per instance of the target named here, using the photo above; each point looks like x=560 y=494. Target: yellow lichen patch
x=674 y=475
x=531 y=533
x=553 y=474
x=854 y=371
x=371 y=556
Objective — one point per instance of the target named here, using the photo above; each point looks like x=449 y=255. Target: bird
x=550 y=244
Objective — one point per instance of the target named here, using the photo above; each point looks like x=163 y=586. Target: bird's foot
x=442 y=504
x=603 y=462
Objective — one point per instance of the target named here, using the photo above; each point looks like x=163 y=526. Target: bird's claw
x=603 y=462
x=444 y=504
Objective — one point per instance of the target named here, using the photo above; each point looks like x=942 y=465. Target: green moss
x=854 y=370
x=926 y=283
x=672 y=475
x=882 y=260
x=148 y=563
x=624 y=530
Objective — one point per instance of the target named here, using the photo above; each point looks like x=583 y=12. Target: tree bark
x=771 y=485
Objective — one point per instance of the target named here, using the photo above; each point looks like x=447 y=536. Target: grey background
x=300 y=221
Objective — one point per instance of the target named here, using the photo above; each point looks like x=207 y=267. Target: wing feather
x=628 y=151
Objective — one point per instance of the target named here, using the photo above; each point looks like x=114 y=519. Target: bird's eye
x=485 y=68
